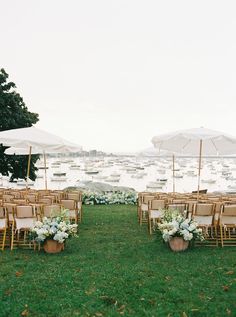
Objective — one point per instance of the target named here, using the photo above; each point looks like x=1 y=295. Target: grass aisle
x=115 y=268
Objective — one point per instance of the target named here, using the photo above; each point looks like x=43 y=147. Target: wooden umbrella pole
x=199 y=169
x=45 y=170
x=28 y=167
x=173 y=161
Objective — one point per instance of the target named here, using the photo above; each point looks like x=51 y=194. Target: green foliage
x=14 y=114
x=114 y=268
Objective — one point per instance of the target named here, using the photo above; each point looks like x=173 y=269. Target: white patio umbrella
x=198 y=141
x=36 y=140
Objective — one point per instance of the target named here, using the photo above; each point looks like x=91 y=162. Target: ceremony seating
x=155 y=211
x=71 y=205
x=143 y=215
x=3 y=226
x=210 y=211
x=24 y=219
x=227 y=223
x=180 y=207
x=51 y=210
x=203 y=214
x=77 y=197
x=20 y=208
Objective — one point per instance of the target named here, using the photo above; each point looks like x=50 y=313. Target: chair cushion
x=203 y=220
x=155 y=213
x=228 y=220
x=3 y=223
x=144 y=207
x=24 y=223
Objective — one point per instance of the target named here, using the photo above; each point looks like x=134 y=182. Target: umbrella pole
x=173 y=161
x=45 y=170
x=199 y=169
x=28 y=167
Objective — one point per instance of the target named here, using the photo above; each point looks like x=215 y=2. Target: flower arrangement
x=56 y=228
x=173 y=224
x=127 y=198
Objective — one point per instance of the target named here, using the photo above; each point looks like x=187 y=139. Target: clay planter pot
x=52 y=246
x=178 y=244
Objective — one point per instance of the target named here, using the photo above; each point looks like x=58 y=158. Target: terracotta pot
x=178 y=244
x=52 y=246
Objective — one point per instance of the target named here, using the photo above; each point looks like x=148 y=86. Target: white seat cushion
x=144 y=207
x=3 y=223
x=155 y=213
x=203 y=220
x=228 y=220
x=24 y=223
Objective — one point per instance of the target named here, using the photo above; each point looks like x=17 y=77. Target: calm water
x=220 y=171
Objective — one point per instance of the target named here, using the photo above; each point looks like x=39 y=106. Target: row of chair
x=18 y=213
x=216 y=217
x=45 y=196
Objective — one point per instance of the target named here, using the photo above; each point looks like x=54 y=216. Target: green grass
x=114 y=268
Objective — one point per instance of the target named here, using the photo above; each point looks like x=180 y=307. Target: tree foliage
x=14 y=114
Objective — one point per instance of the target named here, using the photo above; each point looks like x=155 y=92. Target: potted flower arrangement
x=52 y=233
x=178 y=230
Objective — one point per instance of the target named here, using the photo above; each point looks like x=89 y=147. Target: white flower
x=55 y=228
x=175 y=224
x=192 y=227
x=166 y=236
x=188 y=236
x=38 y=224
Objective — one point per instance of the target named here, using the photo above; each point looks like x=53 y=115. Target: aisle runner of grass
x=115 y=268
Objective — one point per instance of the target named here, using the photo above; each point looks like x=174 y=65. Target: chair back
x=20 y=201
x=179 y=207
x=156 y=204
x=7 y=198
x=74 y=196
x=229 y=210
x=45 y=201
x=51 y=210
x=204 y=209
x=146 y=198
x=31 y=198
x=24 y=212
x=68 y=204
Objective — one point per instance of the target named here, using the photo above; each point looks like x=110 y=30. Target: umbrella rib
x=214 y=146
x=186 y=144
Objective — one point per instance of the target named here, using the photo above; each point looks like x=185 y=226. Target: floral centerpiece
x=53 y=231
x=178 y=230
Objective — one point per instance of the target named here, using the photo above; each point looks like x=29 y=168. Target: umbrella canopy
x=199 y=141
x=32 y=140
x=36 y=150
x=188 y=142
x=36 y=138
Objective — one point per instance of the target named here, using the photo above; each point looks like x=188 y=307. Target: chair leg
x=4 y=239
x=81 y=213
x=12 y=237
x=221 y=236
x=141 y=218
x=149 y=225
x=18 y=237
x=76 y=216
x=216 y=235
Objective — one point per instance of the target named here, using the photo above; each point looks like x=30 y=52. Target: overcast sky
x=112 y=74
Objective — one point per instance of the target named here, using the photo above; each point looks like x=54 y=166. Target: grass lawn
x=115 y=268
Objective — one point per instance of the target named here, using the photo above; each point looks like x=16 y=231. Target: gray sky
x=112 y=74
